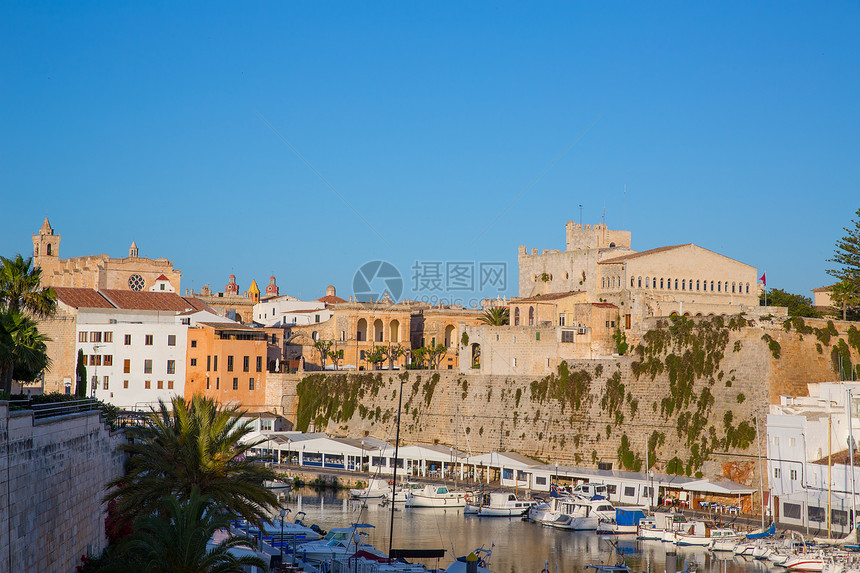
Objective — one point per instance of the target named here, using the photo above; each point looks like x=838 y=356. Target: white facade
x=800 y=432
x=134 y=357
x=286 y=310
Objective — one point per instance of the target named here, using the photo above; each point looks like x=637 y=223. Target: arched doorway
x=450 y=336
x=361 y=331
x=394 y=330
x=476 y=355
x=378 y=331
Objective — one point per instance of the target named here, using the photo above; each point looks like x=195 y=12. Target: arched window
x=647 y=282
x=733 y=287
x=361 y=331
x=378 y=331
x=726 y=286
x=748 y=288
x=517 y=316
x=654 y=282
x=683 y=284
x=611 y=245
x=661 y=283
x=640 y=282
x=676 y=284
x=603 y=282
x=49 y=249
x=632 y=282
x=712 y=286
x=314 y=335
x=719 y=286
x=697 y=285
x=531 y=316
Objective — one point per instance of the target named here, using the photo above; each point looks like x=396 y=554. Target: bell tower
x=46 y=245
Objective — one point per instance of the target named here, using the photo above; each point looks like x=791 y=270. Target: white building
x=802 y=433
x=285 y=310
x=135 y=348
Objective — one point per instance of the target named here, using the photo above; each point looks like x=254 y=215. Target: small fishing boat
x=376 y=488
x=626 y=521
x=497 y=504
x=436 y=496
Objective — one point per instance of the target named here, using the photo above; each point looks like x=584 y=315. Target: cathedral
x=101 y=271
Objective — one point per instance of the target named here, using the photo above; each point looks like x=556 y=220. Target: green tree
x=496 y=316
x=435 y=355
x=81 y=375
x=20 y=288
x=798 y=305
x=846 y=257
x=195 y=443
x=336 y=356
x=176 y=540
x=846 y=297
x=323 y=347
x=376 y=356
x=23 y=352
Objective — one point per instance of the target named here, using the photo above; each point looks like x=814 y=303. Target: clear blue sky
x=735 y=126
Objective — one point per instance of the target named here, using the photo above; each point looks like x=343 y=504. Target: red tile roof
x=198 y=304
x=609 y=304
x=81 y=297
x=331 y=299
x=129 y=299
x=161 y=278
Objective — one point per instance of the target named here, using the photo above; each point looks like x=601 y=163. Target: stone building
x=230 y=302
x=98 y=271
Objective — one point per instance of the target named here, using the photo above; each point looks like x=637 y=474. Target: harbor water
x=519 y=546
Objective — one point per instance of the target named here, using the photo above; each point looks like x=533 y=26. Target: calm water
x=520 y=546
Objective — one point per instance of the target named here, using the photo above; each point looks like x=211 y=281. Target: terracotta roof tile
x=331 y=299
x=129 y=299
x=81 y=297
x=198 y=304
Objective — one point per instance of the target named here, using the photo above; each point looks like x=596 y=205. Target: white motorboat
x=648 y=529
x=401 y=493
x=288 y=533
x=338 y=542
x=497 y=504
x=376 y=488
x=436 y=496
x=626 y=521
x=697 y=534
x=546 y=511
x=724 y=539
x=576 y=516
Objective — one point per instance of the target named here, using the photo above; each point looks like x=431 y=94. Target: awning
x=718 y=487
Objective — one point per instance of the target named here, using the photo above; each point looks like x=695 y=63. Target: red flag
x=763 y=279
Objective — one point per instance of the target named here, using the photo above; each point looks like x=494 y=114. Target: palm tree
x=194 y=444
x=177 y=540
x=20 y=288
x=23 y=352
x=496 y=316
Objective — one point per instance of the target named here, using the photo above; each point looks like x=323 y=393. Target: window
x=126 y=366
x=171 y=366
x=839 y=517
x=683 y=284
x=514 y=363
x=108 y=361
x=697 y=285
x=632 y=282
x=147 y=384
x=147 y=340
x=108 y=336
x=147 y=366
x=537 y=335
x=235 y=383
x=215 y=362
x=647 y=282
x=719 y=286
x=733 y=290
x=676 y=284
x=792 y=442
x=105 y=382
x=567 y=336
x=607 y=466
x=540 y=481
x=125 y=384
x=611 y=488
x=193 y=362
x=170 y=384
x=712 y=286
x=639 y=282
x=259 y=363
x=816 y=513
x=207 y=383
x=661 y=283
x=185 y=321
x=95 y=336
x=531 y=316
x=217 y=382
x=193 y=344
x=171 y=340
x=516 y=316
x=82 y=337
x=229 y=364
x=792 y=474
x=316 y=318
x=208 y=363
x=161 y=384
x=246 y=364
x=748 y=288
x=791 y=510
x=128 y=340
x=629 y=491
x=250 y=384
x=777 y=473
x=561 y=320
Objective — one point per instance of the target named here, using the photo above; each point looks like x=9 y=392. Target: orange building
x=228 y=362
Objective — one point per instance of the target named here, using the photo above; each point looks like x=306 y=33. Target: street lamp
x=283 y=515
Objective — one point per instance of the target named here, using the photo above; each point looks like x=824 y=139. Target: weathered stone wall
x=695 y=395
x=60 y=330
x=52 y=477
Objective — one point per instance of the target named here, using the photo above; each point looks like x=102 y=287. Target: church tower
x=46 y=246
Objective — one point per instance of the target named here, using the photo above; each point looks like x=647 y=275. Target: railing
x=52 y=409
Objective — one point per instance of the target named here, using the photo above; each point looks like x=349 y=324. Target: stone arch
x=673 y=313
x=516 y=316
x=378 y=330
x=238 y=318
x=394 y=330
x=361 y=330
x=450 y=336
x=48 y=249
x=531 y=316
x=476 y=355
x=611 y=245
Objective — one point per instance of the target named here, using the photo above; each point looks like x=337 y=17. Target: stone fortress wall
x=693 y=391
x=52 y=477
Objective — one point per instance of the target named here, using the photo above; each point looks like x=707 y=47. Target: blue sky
x=734 y=126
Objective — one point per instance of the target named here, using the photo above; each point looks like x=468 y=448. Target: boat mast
x=456 y=436
x=394 y=484
x=851 y=459
x=760 y=475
